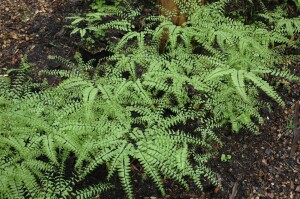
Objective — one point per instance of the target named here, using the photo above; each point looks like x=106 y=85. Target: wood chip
x=13 y=35
x=264 y=162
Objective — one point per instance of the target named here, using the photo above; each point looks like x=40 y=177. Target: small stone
x=268 y=151
x=270 y=195
x=217 y=190
x=292 y=185
x=6 y=9
x=264 y=162
x=297 y=189
x=261 y=173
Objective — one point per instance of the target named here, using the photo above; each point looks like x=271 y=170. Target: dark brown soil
x=261 y=166
x=36 y=28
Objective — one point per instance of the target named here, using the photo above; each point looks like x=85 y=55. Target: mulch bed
x=261 y=166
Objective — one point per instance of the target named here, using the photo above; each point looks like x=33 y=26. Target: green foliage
x=246 y=57
x=234 y=59
x=102 y=121
x=297 y=3
x=161 y=110
x=33 y=147
x=103 y=18
x=101 y=6
x=225 y=158
x=281 y=23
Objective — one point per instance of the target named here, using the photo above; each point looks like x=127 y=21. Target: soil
x=261 y=166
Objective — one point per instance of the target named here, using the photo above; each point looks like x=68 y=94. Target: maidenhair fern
x=282 y=24
x=234 y=56
x=137 y=103
x=104 y=18
x=92 y=118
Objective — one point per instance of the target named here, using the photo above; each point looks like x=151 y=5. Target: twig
x=296 y=130
x=291 y=167
x=234 y=190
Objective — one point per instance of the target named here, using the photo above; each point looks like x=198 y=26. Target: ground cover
x=260 y=166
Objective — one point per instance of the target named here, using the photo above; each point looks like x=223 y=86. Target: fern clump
x=226 y=64
x=103 y=19
x=135 y=105
x=102 y=121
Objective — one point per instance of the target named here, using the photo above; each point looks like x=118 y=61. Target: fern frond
x=150 y=170
x=262 y=84
x=124 y=173
x=49 y=148
x=238 y=80
x=219 y=72
x=92 y=191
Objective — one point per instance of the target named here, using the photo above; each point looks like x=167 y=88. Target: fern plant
x=103 y=19
x=34 y=151
x=282 y=23
x=148 y=136
x=211 y=53
x=102 y=121
x=135 y=105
